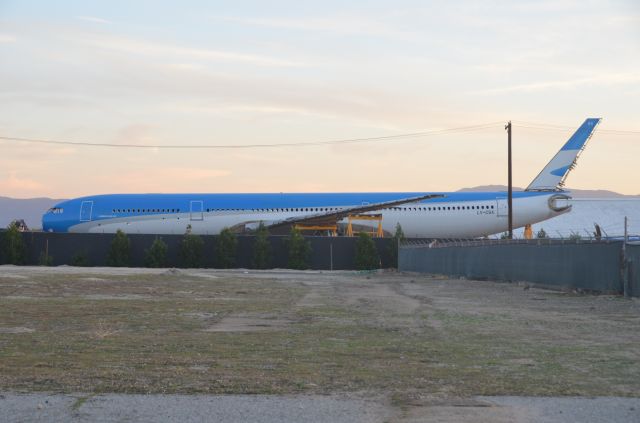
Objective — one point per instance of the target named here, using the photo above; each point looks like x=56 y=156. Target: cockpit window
x=55 y=210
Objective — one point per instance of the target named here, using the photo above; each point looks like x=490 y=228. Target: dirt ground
x=415 y=340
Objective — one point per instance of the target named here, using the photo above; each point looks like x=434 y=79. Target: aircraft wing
x=332 y=217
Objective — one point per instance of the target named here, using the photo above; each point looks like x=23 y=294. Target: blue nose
x=47 y=223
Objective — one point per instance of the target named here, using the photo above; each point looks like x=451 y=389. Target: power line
x=461 y=129
x=552 y=127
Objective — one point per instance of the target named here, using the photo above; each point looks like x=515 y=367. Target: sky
x=256 y=72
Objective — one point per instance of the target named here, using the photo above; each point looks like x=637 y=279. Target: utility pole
x=510 y=184
x=625 y=263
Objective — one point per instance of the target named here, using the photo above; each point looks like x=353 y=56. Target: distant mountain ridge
x=28 y=209
x=576 y=193
x=32 y=209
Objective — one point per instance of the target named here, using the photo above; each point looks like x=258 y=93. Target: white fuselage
x=429 y=219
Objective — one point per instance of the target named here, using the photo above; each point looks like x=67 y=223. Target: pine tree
x=299 y=250
x=120 y=252
x=261 y=248
x=156 y=255
x=191 y=251
x=226 y=246
x=366 y=253
x=398 y=238
x=13 y=248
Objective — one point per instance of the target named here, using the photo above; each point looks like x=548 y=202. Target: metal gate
x=197 y=210
x=86 y=208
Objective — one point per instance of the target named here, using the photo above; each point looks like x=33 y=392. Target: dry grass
x=288 y=332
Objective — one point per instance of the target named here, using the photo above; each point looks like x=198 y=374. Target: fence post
x=630 y=277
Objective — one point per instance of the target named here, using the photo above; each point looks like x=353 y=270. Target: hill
x=29 y=209
x=576 y=193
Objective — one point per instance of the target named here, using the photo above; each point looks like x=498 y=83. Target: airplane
x=420 y=214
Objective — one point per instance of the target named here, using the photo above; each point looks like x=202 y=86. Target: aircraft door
x=502 y=206
x=85 y=211
x=197 y=211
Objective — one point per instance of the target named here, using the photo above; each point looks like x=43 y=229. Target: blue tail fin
x=555 y=172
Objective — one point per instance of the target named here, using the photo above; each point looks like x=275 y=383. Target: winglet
x=555 y=173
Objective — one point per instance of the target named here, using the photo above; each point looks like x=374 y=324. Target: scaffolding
x=332 y=230
x=528 y=232
x=376 y=234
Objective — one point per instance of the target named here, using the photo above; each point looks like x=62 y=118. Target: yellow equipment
x=350 y=218
x=528 y=232
x=332 y=229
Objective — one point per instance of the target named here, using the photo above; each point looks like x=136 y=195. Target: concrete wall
x=63 y=246
x=590 y=266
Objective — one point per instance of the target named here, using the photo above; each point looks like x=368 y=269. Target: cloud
x=343 y=25
x=15 y=185
x=137 y=133
x=166 y=50
x=7 y=38
x=93 y=19
x=605 y=79
x=247 y=110
x=171 y=179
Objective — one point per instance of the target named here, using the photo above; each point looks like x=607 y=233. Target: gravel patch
x=185 y=408
x=571 y=409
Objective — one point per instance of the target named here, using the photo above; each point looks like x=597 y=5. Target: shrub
x=398 y=238
x=191 y=251
x=80 y=259
x=542 y=234
x=226 y=246
x=575 y=236
x=13 y=248
x=156 y=255
x=261 y=248
x=120 y=251
x=366 y=253
x=45 y=260
x=299 y=250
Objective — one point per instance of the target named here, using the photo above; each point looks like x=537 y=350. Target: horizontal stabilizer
x=555 y=173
